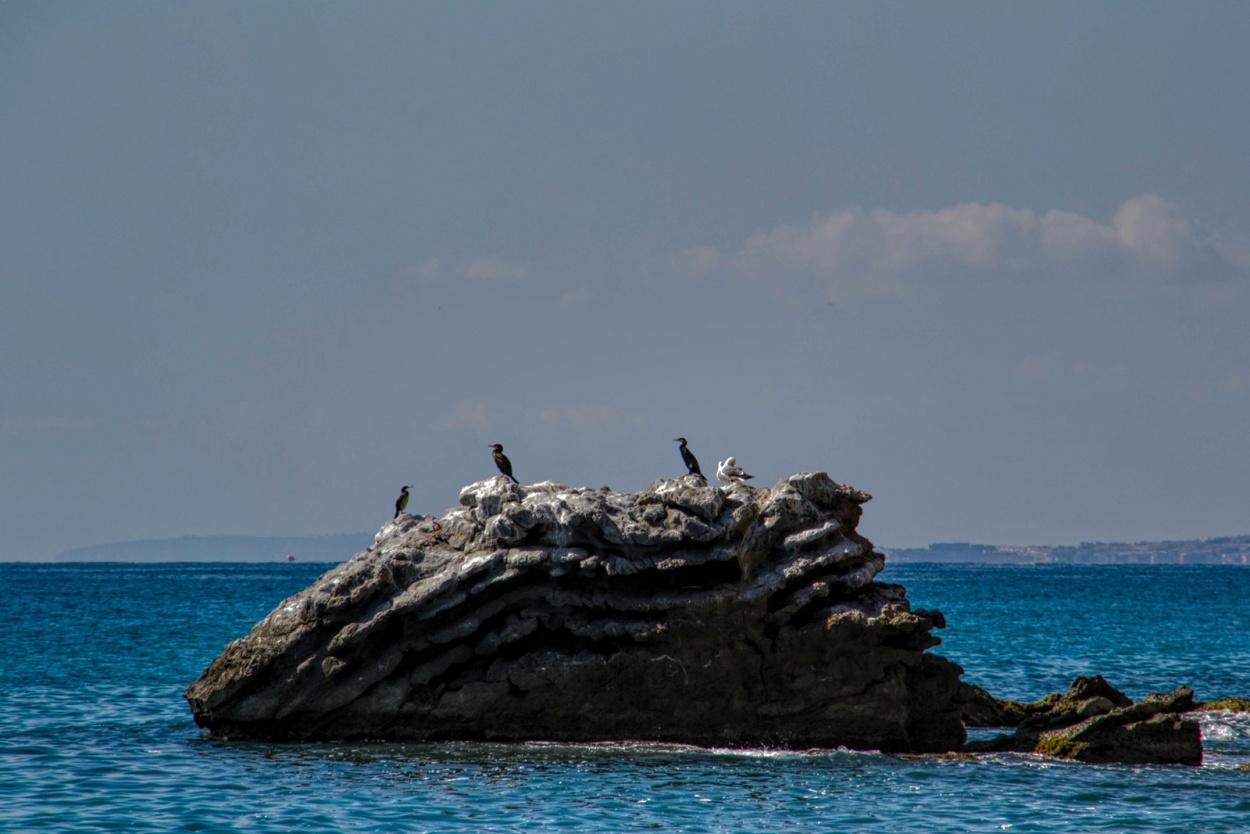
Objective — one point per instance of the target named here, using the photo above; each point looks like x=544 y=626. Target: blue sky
x=262 y=264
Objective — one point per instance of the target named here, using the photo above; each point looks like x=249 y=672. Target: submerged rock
x=684 y=613
x=1091 y=722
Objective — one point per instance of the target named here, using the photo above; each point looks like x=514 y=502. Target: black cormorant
x=401 y=502
x=692 y=463
x=501 y=460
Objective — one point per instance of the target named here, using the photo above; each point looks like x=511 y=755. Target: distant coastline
x=338 y=547
x=335 y=547
x=1227 y=550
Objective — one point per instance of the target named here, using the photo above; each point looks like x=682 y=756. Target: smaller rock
x=1097 y=705
x=1164 y=738
x=1232 y=704
x=1091 y=722
x=1084 y=698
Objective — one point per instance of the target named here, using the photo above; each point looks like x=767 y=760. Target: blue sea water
x=95 y=736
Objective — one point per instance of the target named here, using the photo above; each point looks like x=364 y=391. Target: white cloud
x=472 y=415
x=1235 y=383
x=698 y=260
x=484 y=270
x=884 y=251
x=493 y=270
x=430 y=269
x=1035 y=368
x=1150 y=232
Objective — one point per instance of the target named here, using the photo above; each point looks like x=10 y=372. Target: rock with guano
x=683 y=613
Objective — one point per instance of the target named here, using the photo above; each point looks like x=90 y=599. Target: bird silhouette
x=501 y=460
x=688 y=458
x=401 y=502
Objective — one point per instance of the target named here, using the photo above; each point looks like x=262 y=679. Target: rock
x=683 y=613
x=1093 y=722
x=1233 y=703
x=979 y=708
x=1085 y=697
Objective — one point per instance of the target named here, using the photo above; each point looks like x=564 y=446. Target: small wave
x=1231 y=723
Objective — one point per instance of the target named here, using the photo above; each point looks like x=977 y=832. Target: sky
x=261 y=264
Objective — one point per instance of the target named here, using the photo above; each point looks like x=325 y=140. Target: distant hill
x=336 y=547
x=1229 y=550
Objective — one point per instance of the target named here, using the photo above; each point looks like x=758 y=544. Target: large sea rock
x=684 y=613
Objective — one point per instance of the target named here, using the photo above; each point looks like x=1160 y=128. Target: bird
x=501 y=460
x=692 y=463
x=730 y=472
x=401 y=502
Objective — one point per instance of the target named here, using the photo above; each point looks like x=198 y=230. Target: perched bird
x=501 y=460
x=692 y=463
x=730 y=472
x=401 y=502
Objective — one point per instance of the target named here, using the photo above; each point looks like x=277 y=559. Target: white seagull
x=730 y=472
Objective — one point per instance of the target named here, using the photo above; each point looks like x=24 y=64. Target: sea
x=95 y=735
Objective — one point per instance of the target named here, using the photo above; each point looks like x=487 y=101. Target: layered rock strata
x=684 y=613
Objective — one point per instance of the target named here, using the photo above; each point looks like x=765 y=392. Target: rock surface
x=1091 y=722
x=684 y=613
x=1233 y=703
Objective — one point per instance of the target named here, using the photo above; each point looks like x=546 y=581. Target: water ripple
x=95 y=736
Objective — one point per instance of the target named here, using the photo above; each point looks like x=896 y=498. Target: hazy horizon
x=264 y=264
x=281 y=546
